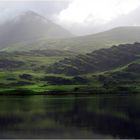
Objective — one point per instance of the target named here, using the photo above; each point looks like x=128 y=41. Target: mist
x=69 y=69
x=81 y=17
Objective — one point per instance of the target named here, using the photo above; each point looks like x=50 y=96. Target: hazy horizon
x=80 y=17
x=69 y=69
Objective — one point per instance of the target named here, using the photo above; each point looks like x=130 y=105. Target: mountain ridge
x=89 y=43
x=97 y=61
x=29 y=27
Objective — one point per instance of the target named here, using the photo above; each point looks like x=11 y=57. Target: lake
x=104 y=116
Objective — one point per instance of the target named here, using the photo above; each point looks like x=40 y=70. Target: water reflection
x=70 y=117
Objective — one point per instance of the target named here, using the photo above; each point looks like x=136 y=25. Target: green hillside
x=24 y=71
x=112 y=70
x=97 y=61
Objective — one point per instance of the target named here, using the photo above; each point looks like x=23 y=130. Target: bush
x=57 y=80
x=26 y=76
x=80 y=80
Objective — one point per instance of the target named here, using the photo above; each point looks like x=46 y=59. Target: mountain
x=85 y=44
x=30 y=31
x=98 y=61
x=115 y=36
x=27 y=28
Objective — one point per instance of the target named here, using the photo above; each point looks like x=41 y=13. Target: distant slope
x=125 y=79
x=98 y=61
x=31 y=60
x=27 y=28
x=84 y=44
x=129 y=74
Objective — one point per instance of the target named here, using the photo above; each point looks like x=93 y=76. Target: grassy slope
x=36 y=86
x=98 y=61
x=11 y=81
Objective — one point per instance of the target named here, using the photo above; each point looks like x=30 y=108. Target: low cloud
x=79 y=16
x=48 y=8
x=86 y=16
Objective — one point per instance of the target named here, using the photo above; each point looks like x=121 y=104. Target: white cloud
x=11 y=8
x=79 y=16
x=96 y=12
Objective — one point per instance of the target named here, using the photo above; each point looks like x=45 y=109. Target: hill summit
x=29 y=27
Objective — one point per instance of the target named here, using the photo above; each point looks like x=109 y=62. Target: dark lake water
x=70 y=117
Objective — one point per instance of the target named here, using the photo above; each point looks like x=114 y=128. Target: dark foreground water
x=70 y=117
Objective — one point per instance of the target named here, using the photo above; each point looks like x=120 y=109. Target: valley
x=70 y=69
x=38 y=56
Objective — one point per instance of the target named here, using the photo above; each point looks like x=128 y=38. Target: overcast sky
x=79 y=16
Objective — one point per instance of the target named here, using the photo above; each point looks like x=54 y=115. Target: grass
x=11 y=82
x=36 y=86
x=45 y=88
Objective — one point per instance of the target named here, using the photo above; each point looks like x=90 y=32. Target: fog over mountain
x=29 y=27
x=80 y=17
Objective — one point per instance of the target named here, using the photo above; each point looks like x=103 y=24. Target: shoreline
x=65 y=93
